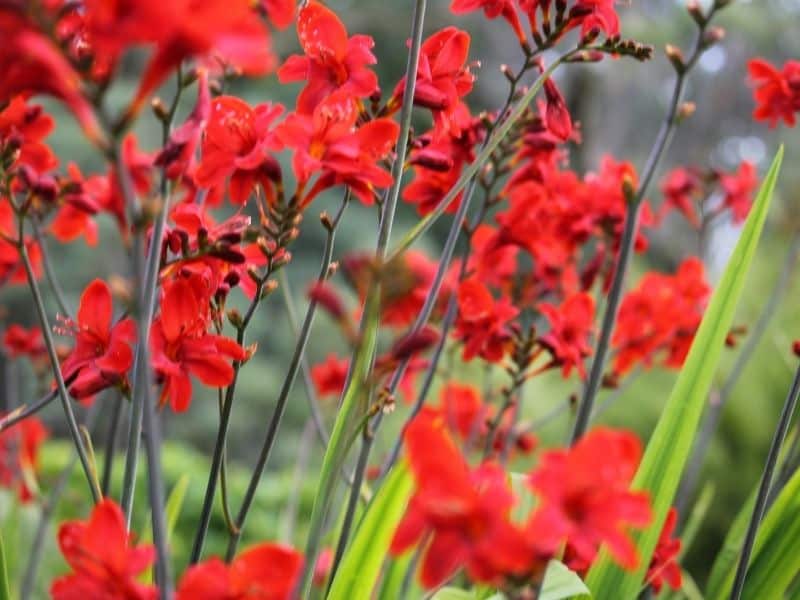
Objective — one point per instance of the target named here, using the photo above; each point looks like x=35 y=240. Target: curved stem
x=286 y=388
x=48 y=507
x=718 y=401
x=61 y=386
x=111 y=445
x=763 y=488
x=49 y=272
x=23 y=412
x=663 y=138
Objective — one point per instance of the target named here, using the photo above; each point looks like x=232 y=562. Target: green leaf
x=452 y=593
x=696 y=517
x=671 y=442
x=776 y=553
x=361 y=563
x=172 y=509
x=349 y=418
x=559 y=582
x=5 y=592
x=393 y=577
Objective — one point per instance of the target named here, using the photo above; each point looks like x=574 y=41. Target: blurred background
x=620 y=104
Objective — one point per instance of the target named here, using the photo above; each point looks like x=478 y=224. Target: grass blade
x=671 y=442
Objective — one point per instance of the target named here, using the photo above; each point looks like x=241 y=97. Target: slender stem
x=718 y=401
x=289 y=519
x=147 y=275
x=49 y=272
x=111 y=445
x=627 y=242
x=63 y=394
x=305 y=369
x=286 y=388
x=763 y=488
x=222 y=433
x=156 y=495
x=23 y=412
x=48 y=507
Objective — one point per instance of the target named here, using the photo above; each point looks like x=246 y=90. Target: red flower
x=329 y=376
x=570 y=326
x=443 y=77
x=32 y=64
x=19 y=456
x=464 y=411
x=322 y=568
x=557 y=117
x=460 y=515
x=181 y=345
x=228 y=32
x=492 y=9
x=333 y=63
x=584 y=498
x=236 y=144
x=18 y=341
x=80 y=201
x=104 y=564
x=102 y=354
x=329 y=144
x=11 y=267
x=27 y=126
x=483 y=322
x=777 y=93
x=661 y=315
x=262 y=572
x=597 y=15
x=664 y=565
x=739 y=188
x=681 y=189
x=280 y=12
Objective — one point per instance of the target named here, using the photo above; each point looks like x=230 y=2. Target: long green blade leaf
x=5 y=592
x=671 y=442
x=358 y=573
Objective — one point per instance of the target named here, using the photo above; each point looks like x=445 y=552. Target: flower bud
x=675 y=57
x=686 y=110
x=160 y=109
x=269 y=287
x=712 y=36
x=414 y=343
x=696 y=12
x=323 y=294
x=796 y=348
x=432 y=159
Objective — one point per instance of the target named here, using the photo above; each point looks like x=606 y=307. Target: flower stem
x=663 y=138
x=764 y=487
x=286 y=388
x=111 y=445
x=63 y=394
x=49 y=272
x=23 y=412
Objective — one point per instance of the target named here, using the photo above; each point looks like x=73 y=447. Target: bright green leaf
x=451 y=593
x=671 y=442
x=559 y=582
x=361 y=564
x=5 y=592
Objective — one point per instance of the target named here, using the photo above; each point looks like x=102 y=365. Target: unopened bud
x=415 y=342
x=696 y=12
x=326 y=296
x=675 y=57
x=796 y=348
x=160 y=109
x=713 y=36
x=432 y=159
x=628 y=188
x=269 y=287
x=332 y=269
x=685 y=110
x=506 y=71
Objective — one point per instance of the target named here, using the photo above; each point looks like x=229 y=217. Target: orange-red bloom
x=25 y=126
x=333 y=63
x=739 y=188
x=181 y=345
x=237 y=144
x=483 y=323
x=103 y=562
x=263 y=572
x=18 y=341
x=329 y=376
x=19 y=456
x=570 y=326
x=664 y=566
x=102 y=354
x=777 y=92
x=492 y=9
x=329 y=144
x=461 y=515
x=584 y=498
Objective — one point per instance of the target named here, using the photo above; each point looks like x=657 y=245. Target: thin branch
x=286 y=388
x=627 y=242
x=24 y=411
x=49 y=272
x=111 y=444
x=764 y=487
x=63 y=394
